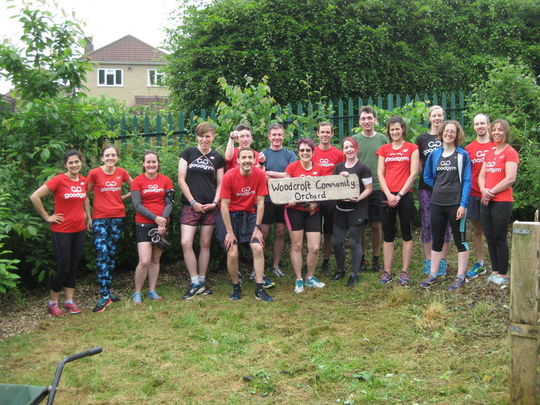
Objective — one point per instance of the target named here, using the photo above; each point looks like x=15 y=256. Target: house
x=128 y=70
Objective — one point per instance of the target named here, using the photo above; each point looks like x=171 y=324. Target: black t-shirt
x=363 y=172
x=447 y=189
x=201 y=174
x=427 y=143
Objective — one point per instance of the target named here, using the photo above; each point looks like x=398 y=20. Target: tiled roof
x=126 y=49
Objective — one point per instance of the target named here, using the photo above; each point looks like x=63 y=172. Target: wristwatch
x=258 y=226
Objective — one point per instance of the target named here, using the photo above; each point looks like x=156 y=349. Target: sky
x=103 y=20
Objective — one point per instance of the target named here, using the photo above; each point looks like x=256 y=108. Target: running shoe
x=497 y=279
x=428 y=282
x=353 y=280
x=71 y=307
x=404 y=279
x=261 y=294
x=278 y=272
x=236 y=293
x=207 y=289
x=154 y=296
x=325 y=267
x=299 y=286
x=338 y=275
x=102 y=303
x=477 y=270
x=193 y=290
x=376 y=265
x=457 y=284
x=136 y=298
x=386 y=277
x=267 y=283
x=427 y=266
x=443 y=266
x=54 y=309
x=114 y=297
x=314 y=282
x=492 y=275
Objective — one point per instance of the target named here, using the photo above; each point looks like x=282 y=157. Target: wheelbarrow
x=19 y=394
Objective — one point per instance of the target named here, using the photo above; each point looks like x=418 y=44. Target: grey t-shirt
x=447 y=188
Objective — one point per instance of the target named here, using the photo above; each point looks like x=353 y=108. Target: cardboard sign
x=307 y=189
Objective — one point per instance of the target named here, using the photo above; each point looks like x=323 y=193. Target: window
x=155 y=78
x=110 y=77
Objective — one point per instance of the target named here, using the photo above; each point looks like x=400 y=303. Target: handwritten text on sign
x=305 y=189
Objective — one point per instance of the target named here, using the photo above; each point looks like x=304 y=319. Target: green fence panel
x=340 y=121
x=352 y=116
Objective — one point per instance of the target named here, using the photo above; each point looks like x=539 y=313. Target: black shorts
x=141 y=232
x=328 y=212
x=376 y=205
x=273 y=213
x=243 y=225
x=345 y=219
x=297 y=220
x=473 y=210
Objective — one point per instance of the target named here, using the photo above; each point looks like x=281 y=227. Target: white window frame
x=112 y=71
x=157 y=74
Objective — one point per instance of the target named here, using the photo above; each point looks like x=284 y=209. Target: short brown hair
x=244 y=149
x=203 y=128
x=367 y=109
x=275 y=126
x=326 y=124
x=459 y=132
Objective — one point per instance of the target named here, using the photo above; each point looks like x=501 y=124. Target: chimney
x=89 y=46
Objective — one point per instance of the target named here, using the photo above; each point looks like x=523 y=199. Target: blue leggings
x=107 y=232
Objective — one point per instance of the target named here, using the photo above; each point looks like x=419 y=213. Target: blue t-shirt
x=277 y=160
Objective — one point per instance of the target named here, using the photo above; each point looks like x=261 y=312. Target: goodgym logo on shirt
x=480 y=156
x=110 y=186
x=396 y=157
x=490 y=168
x=153 y=188
x=325 y=162
x=76 y=192
x=244 y=192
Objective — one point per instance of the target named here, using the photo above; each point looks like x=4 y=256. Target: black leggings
x=440 y=216
x=355 y=234
x=68 y=249
x=495 y=218
x=405 y=209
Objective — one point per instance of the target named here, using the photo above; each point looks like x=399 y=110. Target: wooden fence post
x=524 y=313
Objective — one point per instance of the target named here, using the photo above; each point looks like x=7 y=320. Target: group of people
x=229 y=194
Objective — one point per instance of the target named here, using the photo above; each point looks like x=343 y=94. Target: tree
x=346 y=48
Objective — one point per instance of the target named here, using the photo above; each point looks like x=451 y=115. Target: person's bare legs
x=187 y=233
x=297 y=237
x=141 y=271
x=232 y=263
x=279 y=243
x=207 y=232
x=313 y=244
x=478 y=241
x=388 y=253
x=153 y=269
x=257 y=250
x=407 y=255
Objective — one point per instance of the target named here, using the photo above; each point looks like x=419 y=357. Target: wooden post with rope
x=525 y=313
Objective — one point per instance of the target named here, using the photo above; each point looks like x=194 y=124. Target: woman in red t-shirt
x=152 y=194
x=304 y=218
x=497 y=175
x=107 y=219
x=69 y=221
x=397 y=168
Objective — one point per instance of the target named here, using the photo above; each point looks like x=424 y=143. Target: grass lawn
x=371 y=344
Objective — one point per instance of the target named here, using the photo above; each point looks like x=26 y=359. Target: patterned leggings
x=107 y=232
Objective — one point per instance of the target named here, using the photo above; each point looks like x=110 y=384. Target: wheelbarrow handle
x=60 y=368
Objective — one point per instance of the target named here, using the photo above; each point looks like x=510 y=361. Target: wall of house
x=135 y=83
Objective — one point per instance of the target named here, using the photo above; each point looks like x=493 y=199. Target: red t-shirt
x=69 y=196
x=496 y=171
x=397 y=164
x=477 y=151
x=242 y=191
x=230 y=164
x=152 y=194
x=295 y=169
x=327 y=159
x=108 y=192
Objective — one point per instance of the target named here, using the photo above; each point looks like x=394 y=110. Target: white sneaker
x=314 y=282
x=278 y=272
x=299 y=286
